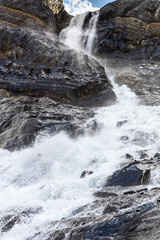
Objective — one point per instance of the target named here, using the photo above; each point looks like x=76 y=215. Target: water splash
x=46 y=177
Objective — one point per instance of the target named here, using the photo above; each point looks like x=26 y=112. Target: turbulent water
x=46 y=178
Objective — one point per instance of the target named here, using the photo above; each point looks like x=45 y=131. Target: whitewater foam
x=46 y=177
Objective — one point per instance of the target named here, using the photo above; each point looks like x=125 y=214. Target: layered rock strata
x=35 y=65
x=50 y=15
x=129 y=29
x=49 y=68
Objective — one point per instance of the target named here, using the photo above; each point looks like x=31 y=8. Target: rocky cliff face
x=61 y=16
x=45 y=87
x=130 y=29
x=35 y=64
x=34 y=14
x=55 y=5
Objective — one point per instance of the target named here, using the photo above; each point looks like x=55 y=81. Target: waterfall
x=79 y=37
x=46 y=177
x=90 y=33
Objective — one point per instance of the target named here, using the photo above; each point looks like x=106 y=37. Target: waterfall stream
x=46 y=177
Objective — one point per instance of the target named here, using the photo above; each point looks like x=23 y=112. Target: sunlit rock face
x=49 y=14
x=130 y=29
x=61 y=16
x=55 y=5
x=27 y=13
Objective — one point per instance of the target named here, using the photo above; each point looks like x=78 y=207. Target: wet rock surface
x=117 y=212
x=35 y=64
x=55 y=70
x=142 y=77
x=11 y=218
x=46 y=88
x=86 y=173
x=124 y=212
x=22 y=118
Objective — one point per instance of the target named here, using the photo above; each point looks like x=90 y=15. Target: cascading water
x=45 y=179
x=79 y=37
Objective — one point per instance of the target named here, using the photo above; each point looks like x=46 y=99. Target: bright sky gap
x=80 y=6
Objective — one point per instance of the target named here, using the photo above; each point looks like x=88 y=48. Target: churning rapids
x=46 y=178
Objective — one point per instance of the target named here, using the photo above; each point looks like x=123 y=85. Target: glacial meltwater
x=41 y=185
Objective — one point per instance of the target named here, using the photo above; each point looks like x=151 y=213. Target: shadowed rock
x=130 y=175
x=49 y=68
x=86 y=173
x=22 y=118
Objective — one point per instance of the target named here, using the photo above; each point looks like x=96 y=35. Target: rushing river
x=46 y=177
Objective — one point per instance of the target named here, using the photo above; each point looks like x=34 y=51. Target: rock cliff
x=40 y=13
x=55 y=5
x=45 y=87
x=35 y=64
x=129 y=29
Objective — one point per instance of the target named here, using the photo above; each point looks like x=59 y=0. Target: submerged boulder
x=86 y=173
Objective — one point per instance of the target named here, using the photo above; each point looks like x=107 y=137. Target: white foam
x=47 y=176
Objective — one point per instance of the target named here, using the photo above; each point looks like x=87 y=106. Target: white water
x=47 y=176
x=76 y=38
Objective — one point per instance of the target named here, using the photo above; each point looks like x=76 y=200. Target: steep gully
x=45 y=202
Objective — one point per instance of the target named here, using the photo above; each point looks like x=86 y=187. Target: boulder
x=157 y=156
x=86 y=173
x=130 y=175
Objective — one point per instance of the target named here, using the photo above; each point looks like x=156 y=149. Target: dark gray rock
x=146 y=226
x=142 y=77
x=22 y=118
x=144 y=155
x=129 y=156
x=86 y=173
x=34 y=64
x=48 y=68
x=157 y=156
x=130 y=175
x=129 y=29
x=125 y=212
x=57 y=236
x=121 y=123
x=11 y=218
x=104 y=194
x=108 y=228
x=142 y=9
